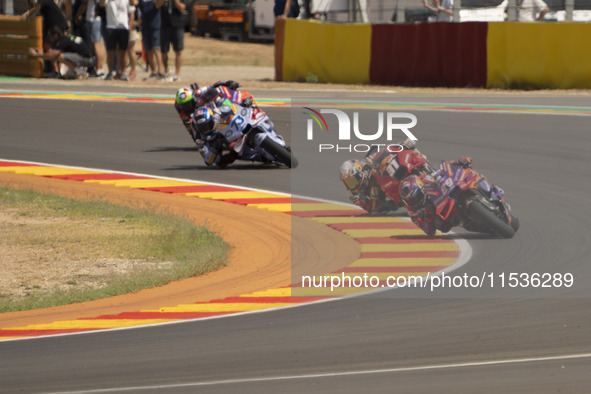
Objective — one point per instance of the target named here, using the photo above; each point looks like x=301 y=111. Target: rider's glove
x=195 y=86
x=408 y=144
x=229 y=84
x=464 y=162
x=232 y=85
x=247 y=102
x=367 y=163
x=200 y=144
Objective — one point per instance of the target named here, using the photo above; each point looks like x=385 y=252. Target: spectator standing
x=444 y=9
x=78 y=26
x=96 y=25
x=532 y=10
x=134 y=36
x=173 y=30
x=51 y=13
x=286 y=8
x=151 y=25
x=117 y=37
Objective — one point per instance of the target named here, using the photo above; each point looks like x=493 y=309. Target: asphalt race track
x=487 y=340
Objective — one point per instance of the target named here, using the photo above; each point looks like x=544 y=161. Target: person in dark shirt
x=52 y=15
x=52 y=18
x=151 y=24
x=286 y=9
x=79 y=18
x=173 y=31
x=69 y=50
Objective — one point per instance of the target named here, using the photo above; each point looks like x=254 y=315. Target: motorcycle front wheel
x=482 y=215
x=282 y=154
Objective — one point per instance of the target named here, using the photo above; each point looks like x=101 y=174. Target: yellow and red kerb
x=389 y=246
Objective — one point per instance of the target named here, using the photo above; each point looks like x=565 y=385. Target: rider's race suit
x=217 y=94
x=223 y=137
x=201 y=96
x=425 y=217
x=380 y=195
x=211 y=145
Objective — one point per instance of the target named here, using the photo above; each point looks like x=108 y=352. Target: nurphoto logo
x=348 y=131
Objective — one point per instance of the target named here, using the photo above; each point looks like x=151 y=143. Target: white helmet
x=352 y=175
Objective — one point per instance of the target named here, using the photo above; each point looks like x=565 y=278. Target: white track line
x=338 y=374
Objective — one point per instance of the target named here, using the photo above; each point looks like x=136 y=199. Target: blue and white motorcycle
x=250 y=133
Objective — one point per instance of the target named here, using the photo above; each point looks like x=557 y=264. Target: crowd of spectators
x=75 y=46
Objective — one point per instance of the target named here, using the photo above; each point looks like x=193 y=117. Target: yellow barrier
x=337 y=53
x=538 y=55
x=16 y=37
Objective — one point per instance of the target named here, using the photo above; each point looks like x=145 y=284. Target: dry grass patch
x=56 y=250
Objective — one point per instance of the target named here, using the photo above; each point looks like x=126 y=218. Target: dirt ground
x=41 y=254
x=204 y=51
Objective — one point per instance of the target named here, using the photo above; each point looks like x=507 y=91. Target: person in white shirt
x=443 y=8
x=117 y=36
x=532 y=10
x=95 y=29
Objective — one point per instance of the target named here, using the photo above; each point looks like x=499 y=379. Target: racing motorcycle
x=390 y=168
x=248 y=131
x=465 y=197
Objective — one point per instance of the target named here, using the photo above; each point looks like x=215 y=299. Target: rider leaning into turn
x=191 y=99
x=206 y=121
x=414 y=192
x=369 y=181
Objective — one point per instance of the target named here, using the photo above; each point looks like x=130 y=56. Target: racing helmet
x=352 y=175
x=412 y=192
x=185 y=99
x=203 y=120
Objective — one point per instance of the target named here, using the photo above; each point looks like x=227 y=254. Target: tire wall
x=475 y=54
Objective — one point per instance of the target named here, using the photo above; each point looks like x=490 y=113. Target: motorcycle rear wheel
x=482 y=215
x=282 y=154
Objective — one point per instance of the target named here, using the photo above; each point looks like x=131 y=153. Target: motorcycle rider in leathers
x=189 y=99
x=207 y=121
x=415 y=191
x=370 y=182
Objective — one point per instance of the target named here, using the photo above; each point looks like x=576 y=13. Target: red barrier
x=429 y=54
x=279 y=38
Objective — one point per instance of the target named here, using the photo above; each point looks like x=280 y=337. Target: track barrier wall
x=539 y=55
x=440 y=54
x=16 y=37
x=429 y=54
x=338 y=53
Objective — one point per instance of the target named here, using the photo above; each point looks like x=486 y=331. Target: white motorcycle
x=250 y=133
